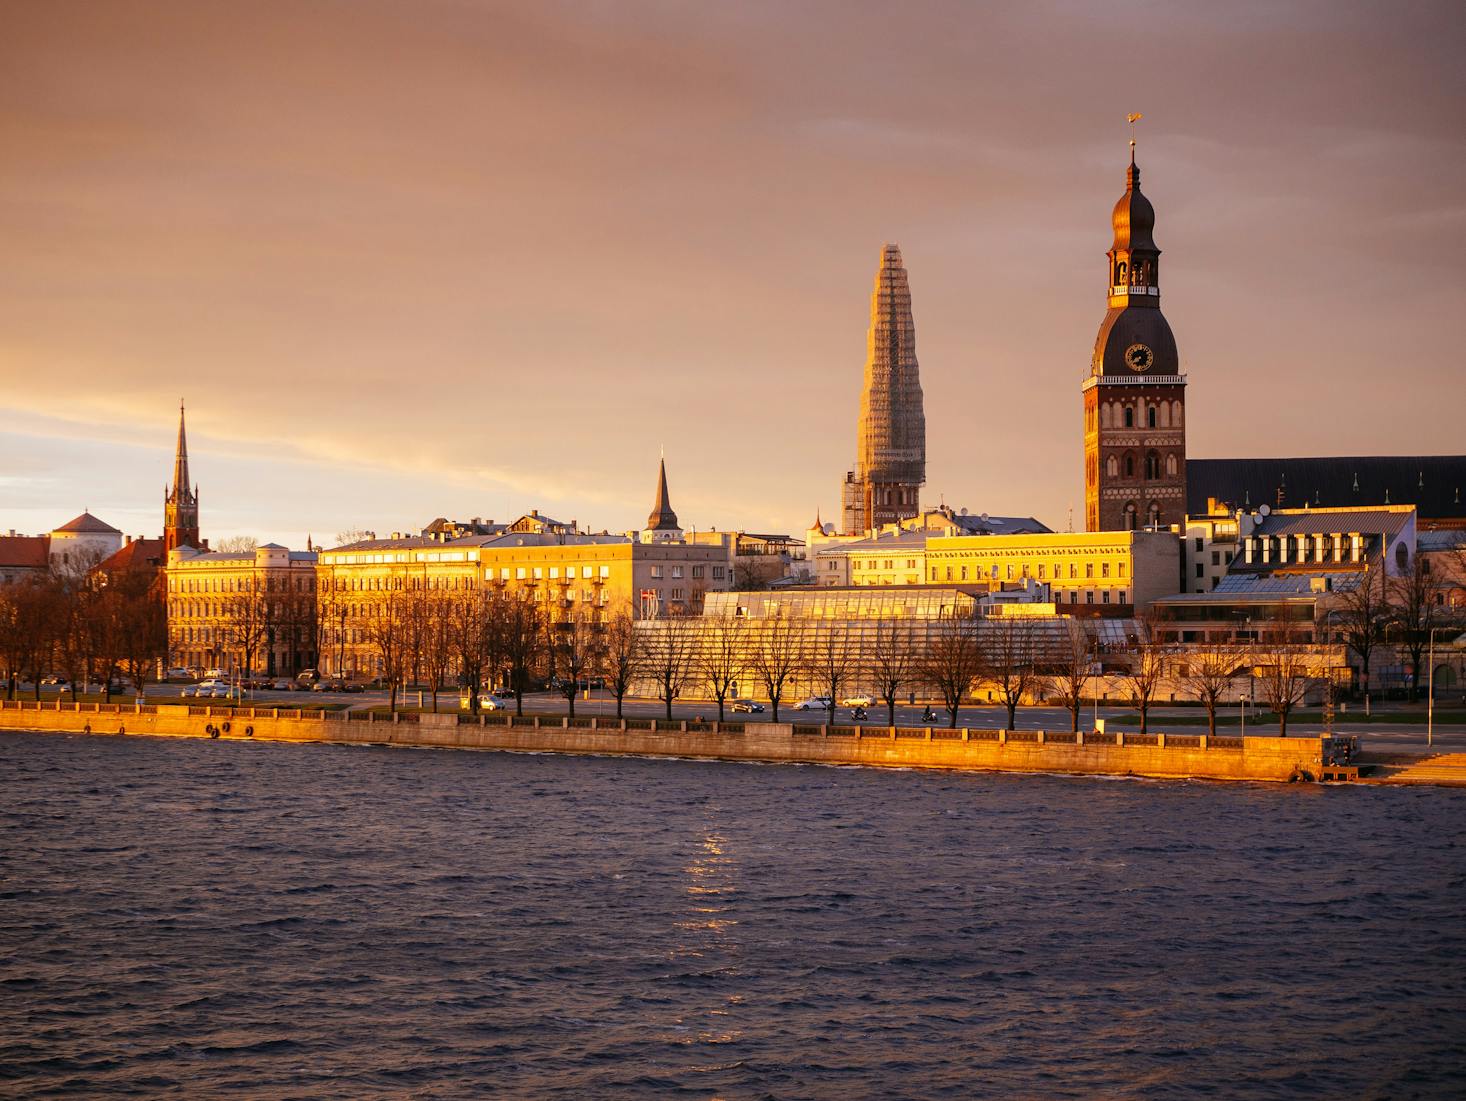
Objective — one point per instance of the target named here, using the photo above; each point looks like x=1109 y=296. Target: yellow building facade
x=245 y=612
x=1110 y=572
x=599 y=573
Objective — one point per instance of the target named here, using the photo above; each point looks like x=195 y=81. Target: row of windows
x=1163 y=414
x=882 y=564
x=1153 y=465
x=1012 y=572
x=238 y=584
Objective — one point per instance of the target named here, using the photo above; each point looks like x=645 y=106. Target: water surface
x=200 y=919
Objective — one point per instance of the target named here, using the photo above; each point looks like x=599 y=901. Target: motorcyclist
x=858 y=714
x=928 y=715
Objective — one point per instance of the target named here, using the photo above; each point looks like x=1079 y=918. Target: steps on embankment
x=1413 y=768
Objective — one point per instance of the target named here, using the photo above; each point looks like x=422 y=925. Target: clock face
x=1139 y=357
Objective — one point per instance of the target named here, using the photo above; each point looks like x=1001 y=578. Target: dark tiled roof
x=1328 y=522
x=1434 y=484
x=86 y=522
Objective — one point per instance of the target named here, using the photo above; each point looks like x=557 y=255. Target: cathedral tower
x=891 y=459
x=180 y=503
x=1135 y=395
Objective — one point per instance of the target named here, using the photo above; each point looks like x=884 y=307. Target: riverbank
x=1111 y=753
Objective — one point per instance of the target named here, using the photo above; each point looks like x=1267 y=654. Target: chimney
x=129 y=540
x=534 y=512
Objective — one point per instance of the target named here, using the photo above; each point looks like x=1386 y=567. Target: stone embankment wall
x=1110 y=753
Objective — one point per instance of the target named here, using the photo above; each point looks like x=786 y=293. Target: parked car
x=218 y=692
x=178 y=672
x=54 y=678
x=282 y=685
x=502 y=693
x=308 y=676
x=213 y=674
x=814 y=703
x=750 y=707
x=857 y=701
x=486 y=702
x=348 y=686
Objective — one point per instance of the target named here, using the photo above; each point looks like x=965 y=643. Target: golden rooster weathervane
x=1132 y=119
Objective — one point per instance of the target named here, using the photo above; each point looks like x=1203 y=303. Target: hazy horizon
x=406 y=260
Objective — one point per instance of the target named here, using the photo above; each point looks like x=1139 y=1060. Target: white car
x=858 y=701
x=814 y=703
x=487 y=702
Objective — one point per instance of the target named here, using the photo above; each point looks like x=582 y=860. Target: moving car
x=54 y=678
x=486 y=702
x=751 y=707
x=857 y=701
x=814 y=703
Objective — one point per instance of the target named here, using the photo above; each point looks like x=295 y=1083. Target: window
x=949 y=573
x=1198 y=542
x=934 y=572
x=1088 y=570
x=587 y=572
x=1089 y=596
x=697 y=571
x=886 y=565
x=519 y=573
x=554 y=573
x=1120 y=569
x=1010 y=571
x=1129 y=422
x=1073 y=571
x=656 y=572
x=1122 y=597
x=1104 y=569
x=676 y=571
x=606 y=571
x=1200 y=570
x=718 y=571
x=964 y=573
x=539 y=573
x=1150 y=417
x=1216 y=558
x=1041 y=571
x=1105 y=596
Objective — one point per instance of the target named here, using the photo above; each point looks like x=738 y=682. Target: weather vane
x=1132 y=119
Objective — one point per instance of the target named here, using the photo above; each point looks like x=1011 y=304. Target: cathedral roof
x=1434 y=484
x=1133 y=217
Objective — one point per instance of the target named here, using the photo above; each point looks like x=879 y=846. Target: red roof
x=139 y=554
x=25 y=551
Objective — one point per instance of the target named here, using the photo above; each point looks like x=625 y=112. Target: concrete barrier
x=1190 y=756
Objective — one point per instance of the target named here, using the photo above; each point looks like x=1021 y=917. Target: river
x=205 y=919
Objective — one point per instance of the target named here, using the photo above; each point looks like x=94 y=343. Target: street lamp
x=1430 y=687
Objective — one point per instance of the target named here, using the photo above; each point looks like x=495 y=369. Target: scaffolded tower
x=891 y=460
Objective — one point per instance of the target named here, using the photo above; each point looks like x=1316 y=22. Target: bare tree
x=1010 y=660
x=143 y=625
x=953 y=660
x=576 y=640
x=438 y=649
x=830 y=662
x=245 y=621
x=721 y=656
x=1284 y=669
x=778 y=653
x=467 y=625
x=892 y=662
x=1363 y=616
x=1147 y=664
x=1416 y=614
x=31 y=610
x=237 y=544
x=669 y=656
x=353 y=535
x=520 y=641
x=622 y=654
x=385 y=627
x=1209 y=671
x=1073 y=664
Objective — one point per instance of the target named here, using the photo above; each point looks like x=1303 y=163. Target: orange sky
x=409 y=258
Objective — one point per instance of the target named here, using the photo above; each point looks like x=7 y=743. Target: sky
x=419 y=258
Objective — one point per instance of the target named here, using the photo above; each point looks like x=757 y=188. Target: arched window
x=1112 y=467
x=1165 y=414
x=1402 y=557
x=1129 y=417
x=1170 y=466
x=1130 y=516
x=1119 y=273
x=1129 y=464
x=1150 y=417
x=1105 y=415
x=1152 y=465
x=1176 y=413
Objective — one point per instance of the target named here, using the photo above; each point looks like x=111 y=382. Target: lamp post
x=1430 y=688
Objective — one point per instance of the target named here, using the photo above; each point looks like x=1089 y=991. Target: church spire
x=181 y=504
x=662 y=517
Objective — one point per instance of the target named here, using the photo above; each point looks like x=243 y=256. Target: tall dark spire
x=662 y=517
x=181 y=503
